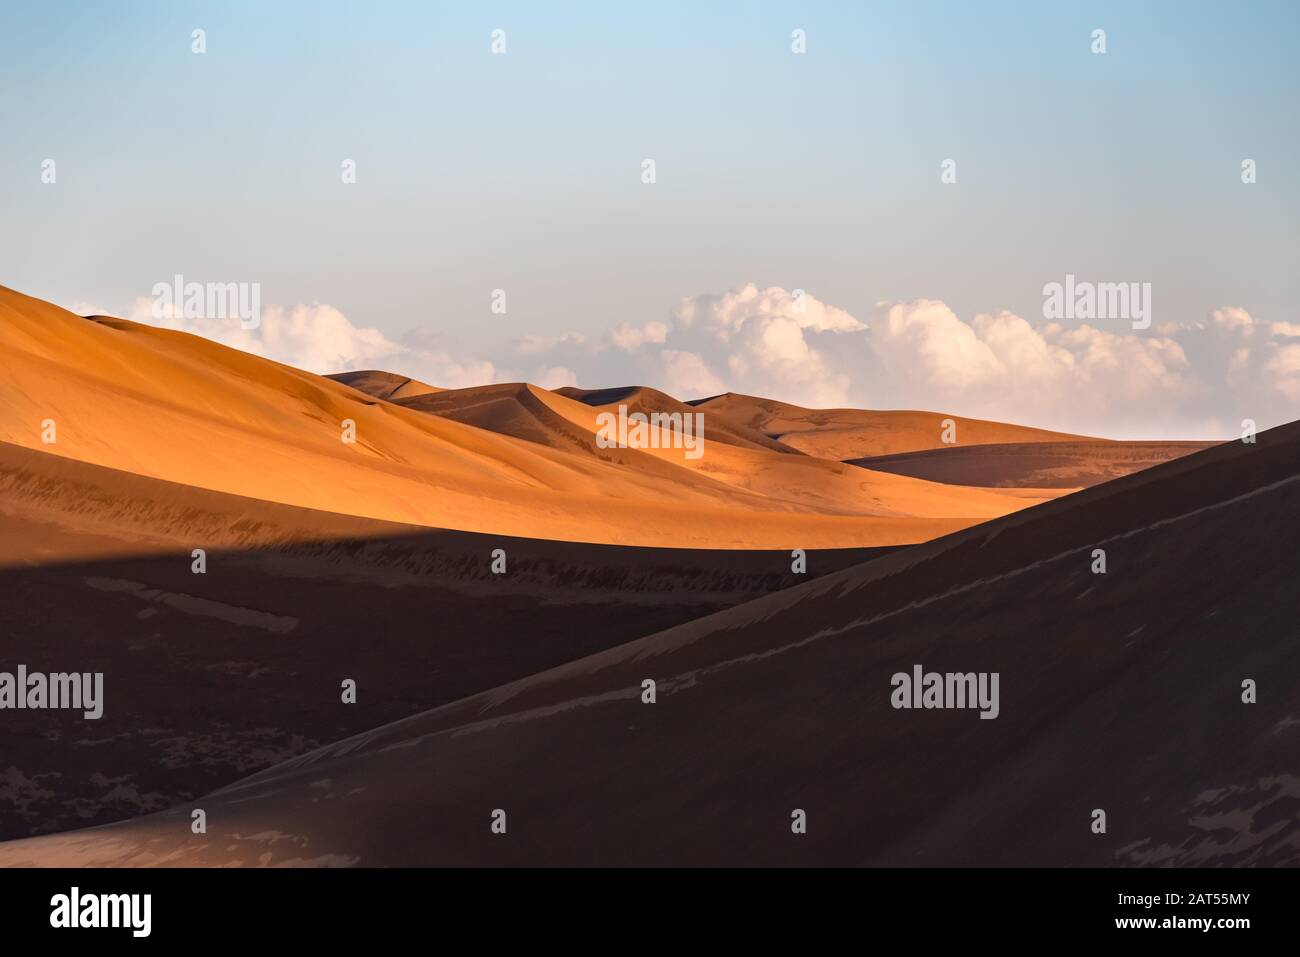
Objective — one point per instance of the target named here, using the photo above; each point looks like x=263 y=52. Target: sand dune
x=843 y=434
x=646 y=400
x=1118 y=691
x=330 y=560
x=384 y=385
x=173 y=406
x=793 y=480
x=1055 y=464
x=210 y=677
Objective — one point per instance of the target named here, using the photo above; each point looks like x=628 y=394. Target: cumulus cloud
x=1233 y=319
x=316 y=337
x=1188 y=379
x=687 y=375
x=533 y=344
x=629 y=337
x=928 y=340
x=766 y=341
x=1193 y=379
x=1282 y=372
x=727 y=313
x=553 y=377
x=999 y=365
x=319 y=338
x=1258 y=359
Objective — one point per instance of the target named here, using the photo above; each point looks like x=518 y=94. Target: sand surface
x=173 y=406
x=1062 y=465
x=383 y=385
x=373 y=562
x=209 y=677
x=842 y=434
x=1118 y=691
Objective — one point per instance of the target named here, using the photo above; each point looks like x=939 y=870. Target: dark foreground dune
x=1119 y=692
x=209 y=677
x=1079 y=464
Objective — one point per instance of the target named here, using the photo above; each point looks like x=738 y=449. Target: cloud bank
x=1177 y=380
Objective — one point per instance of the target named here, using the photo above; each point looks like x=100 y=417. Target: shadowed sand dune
x=177 y=407
x=1119 y=691
x=1064 y=465
x=384 y=385
x=843 y=434
x=211 y=676
x=646 y=400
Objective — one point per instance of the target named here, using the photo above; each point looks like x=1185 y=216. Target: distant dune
x=1119 y=691
x=843 y=434
x=733 y=460
x=384 y=385
x=646 y=400
x=177 y=407
x=1063 y=465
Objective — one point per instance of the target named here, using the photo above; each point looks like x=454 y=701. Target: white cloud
x=321 y=339
x=687 y=375
x=532 y=344
x=630 y=338
x=1074 y=377
x=727 y=313
x=772 y=355
x=553 y=377
x=1282 y=372
x=1233 y=319
x=768 y=341
x=928 y=340
x=1196 y=379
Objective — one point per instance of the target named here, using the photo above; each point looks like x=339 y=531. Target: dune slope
x=843 y=434
x=173 y=406
x=729 y=459
x=384 y=385
x=646 y=400
x=1064 y=465
x=208 y=677
x=1119 y=691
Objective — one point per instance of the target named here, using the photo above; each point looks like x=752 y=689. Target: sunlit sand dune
x=732 y=460
x=842 y=434
x=174 y=406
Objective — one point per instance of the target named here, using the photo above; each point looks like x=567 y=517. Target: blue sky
x=522 y=171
